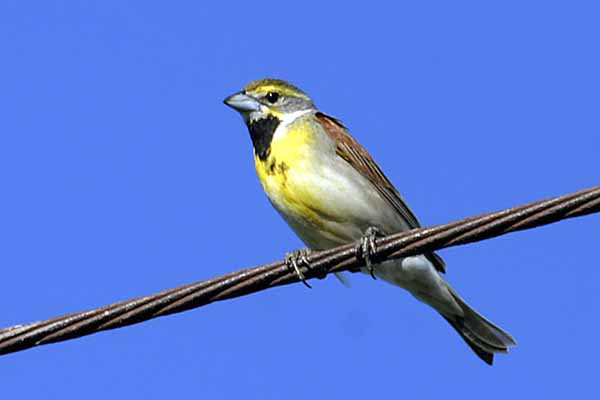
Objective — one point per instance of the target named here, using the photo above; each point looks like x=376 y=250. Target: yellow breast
x=286 y=173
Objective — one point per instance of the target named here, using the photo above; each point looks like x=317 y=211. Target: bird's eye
x=272 y=97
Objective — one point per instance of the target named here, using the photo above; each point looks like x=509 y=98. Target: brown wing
x=358 y=158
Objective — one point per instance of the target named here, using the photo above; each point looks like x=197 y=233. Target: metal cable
x=342 y=258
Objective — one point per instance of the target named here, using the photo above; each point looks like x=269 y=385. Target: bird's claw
x=298 y=257
x=367 y=247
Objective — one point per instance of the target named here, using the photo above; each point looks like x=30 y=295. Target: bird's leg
x=298 y=257
x=366 y=247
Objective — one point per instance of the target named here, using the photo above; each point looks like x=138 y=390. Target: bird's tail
x=483 y=337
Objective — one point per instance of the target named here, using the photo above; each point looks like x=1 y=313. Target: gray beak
x=242 y=102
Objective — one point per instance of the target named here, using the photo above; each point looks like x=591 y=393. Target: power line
x=342 y=258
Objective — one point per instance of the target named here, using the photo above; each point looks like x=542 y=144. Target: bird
x=330 y=192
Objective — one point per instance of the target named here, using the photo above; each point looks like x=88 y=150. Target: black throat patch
x=261 y=133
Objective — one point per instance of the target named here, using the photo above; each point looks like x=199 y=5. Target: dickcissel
x=331 y=192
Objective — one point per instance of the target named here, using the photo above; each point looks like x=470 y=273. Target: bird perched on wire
x=331 y=192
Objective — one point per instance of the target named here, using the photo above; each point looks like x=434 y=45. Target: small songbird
x=330 y=192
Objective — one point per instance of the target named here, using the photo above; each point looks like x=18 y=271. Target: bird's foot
x=296 y=258
x=367 y=247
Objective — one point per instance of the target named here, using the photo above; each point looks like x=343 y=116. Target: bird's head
x=266 y=104
x=269 y=98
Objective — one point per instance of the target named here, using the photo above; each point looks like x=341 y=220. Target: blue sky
x=122 y=171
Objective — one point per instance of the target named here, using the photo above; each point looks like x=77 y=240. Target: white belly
x=345 y=203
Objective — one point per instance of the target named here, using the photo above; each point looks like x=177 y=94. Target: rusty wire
x=342 y=258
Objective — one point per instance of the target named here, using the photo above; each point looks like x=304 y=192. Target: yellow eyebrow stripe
x=274 y=85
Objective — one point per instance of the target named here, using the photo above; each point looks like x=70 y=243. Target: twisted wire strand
x=342 y=258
